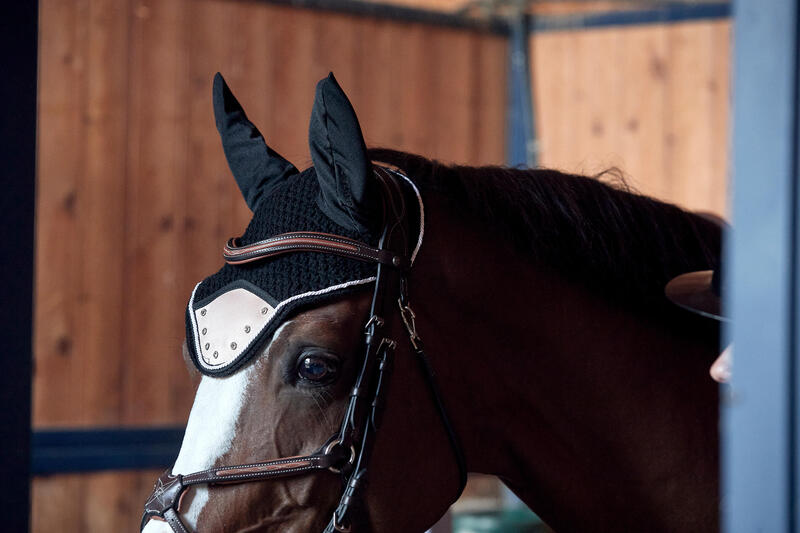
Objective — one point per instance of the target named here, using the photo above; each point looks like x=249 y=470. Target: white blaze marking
x=209 y=435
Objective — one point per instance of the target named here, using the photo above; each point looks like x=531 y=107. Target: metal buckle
x=387 y=344
x=350 y=461
x=373 y=320
x=409 y=320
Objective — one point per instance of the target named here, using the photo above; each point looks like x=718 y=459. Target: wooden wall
x=651 y=100
x=135 y=198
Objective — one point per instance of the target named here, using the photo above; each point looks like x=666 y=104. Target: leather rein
x=348 y=451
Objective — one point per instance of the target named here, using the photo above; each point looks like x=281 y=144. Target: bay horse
x=554 y=361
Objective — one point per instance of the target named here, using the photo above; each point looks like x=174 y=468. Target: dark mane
x=625 y=245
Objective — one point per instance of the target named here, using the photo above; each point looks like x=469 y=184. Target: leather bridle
x=348 y=451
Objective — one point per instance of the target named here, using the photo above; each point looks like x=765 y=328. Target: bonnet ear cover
x=349 y=193
x=257 y=168
x=232 y=314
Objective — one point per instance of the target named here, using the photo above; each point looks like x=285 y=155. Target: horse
x=551 y=357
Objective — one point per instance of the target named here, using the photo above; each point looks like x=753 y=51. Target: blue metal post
x=521 y=141
x=760 y=415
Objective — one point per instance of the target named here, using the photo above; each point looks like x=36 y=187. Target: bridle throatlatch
x=348 y=451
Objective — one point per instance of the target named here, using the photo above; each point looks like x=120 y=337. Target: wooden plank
x=598 y=104
x=102 y=216
x=335 y=49
x=688 y=133
x=57 y=504
x=122 y=493
x=452 y=57
x=550 y=60
x=642 y=68
x=157 y=164
x=290 y=84
x=720 y=93
x=414 y=68
x=90 y=503
x=209 y=184
x=490 y=74
x=377 y=81
x=61 y=166
x=652 y=101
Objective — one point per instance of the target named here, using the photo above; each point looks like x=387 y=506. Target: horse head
x=293 y=341
x=540 y=295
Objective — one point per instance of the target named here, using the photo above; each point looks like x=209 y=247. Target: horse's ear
x=256 y=167
x=349 y=194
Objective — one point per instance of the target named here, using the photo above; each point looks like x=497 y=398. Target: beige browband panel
x=227 y=325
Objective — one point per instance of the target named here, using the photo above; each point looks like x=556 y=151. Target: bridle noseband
x=348 y=451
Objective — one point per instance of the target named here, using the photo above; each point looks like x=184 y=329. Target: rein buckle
x=409 y=317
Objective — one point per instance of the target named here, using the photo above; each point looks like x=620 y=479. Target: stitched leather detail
x=166 y=493
x=174 y=521
x=303 y=241
x=165 y=500
x=264 y=470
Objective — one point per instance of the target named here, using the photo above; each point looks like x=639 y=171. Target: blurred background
x=134 y=198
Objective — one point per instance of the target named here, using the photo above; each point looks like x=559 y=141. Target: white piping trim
x=277 y=308
x=421 y=212
x=326 y=290
x=194 y=324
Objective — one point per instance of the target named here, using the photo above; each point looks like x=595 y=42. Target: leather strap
x=433 y=386
x=164 y=502
x=309 y=241
x=174 y=521
x=286 y=466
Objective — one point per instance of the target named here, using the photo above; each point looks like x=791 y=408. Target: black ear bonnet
x=234 y=312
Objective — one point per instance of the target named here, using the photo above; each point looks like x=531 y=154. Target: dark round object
x=698 y=292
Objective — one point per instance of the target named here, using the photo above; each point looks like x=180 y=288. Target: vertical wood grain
x=291 y=83
x=102 y=214
x=719 y=89
x=61 y=166
x=209 y=187
x=157 y=154
x=643 y=112
x=598 y=106
x=90 y=503
x=454 y=56
x=652 y=101
x=378 y=84
x=550 y=69
x=489 y=75
x=687 y=134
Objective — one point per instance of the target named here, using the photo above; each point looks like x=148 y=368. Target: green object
x=508 y=521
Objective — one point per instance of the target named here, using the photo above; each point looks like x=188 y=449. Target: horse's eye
x=316 y=369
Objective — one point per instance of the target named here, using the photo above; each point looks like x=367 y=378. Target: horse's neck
x=596 y=418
